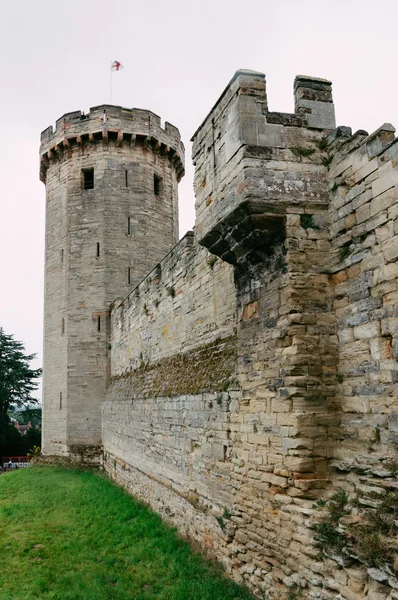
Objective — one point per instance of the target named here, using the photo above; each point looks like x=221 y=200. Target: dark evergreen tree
x=31 y=438
x=17 y=382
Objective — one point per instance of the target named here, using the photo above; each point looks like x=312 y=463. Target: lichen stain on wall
x=208 y=368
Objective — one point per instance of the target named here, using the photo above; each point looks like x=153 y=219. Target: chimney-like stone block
x=313 y=98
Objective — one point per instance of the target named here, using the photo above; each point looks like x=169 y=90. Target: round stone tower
x=111 y=214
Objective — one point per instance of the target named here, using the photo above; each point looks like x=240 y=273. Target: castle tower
x=111 y=214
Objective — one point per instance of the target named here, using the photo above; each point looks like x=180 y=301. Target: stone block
x=363 y=213
x=365 y=170
x=362 y=198
x=384 y=232
x=319 y=115
x=355 y=405
x=383 y=201
x=367 y=331
x=390 y=249
x=275 y=480
x=387 y=181
x=299 y=464
x=379 y=139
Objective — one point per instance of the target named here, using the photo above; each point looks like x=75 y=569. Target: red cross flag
x=116 y=66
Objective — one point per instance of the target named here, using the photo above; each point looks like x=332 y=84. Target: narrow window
x=98 y=323
x=88 y=178
x=60 y=400
x=62 y=326
x=98 y=249
x=129 y=225
x=129 y=275
x=62 y=255
x=157 y=185
x=126 y=179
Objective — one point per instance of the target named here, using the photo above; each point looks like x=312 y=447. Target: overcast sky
x=178 y=56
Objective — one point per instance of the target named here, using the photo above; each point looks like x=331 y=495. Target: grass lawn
x=73 y=535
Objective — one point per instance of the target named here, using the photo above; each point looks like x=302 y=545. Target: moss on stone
x=202 y=370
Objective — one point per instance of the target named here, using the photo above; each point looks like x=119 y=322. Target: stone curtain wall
x=364 y=233
x=174 y=390
x=249 y=390
x=186 y=301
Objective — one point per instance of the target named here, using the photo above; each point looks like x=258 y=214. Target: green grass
x=69 y=534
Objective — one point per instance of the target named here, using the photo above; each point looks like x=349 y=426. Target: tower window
x=129 y=275
x=62 y=255
x=98 y=323
x=98 y=249
x=60 y=400
x=62 y=326
x=88 y=178
x=157 y=184
x=128 y=225
x=126 y=178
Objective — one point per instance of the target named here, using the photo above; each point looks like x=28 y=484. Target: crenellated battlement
x=252 y=165
x=105 y=124
x=350 y=149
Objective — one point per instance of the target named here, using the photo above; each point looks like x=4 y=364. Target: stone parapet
x=107 y=123
x=251 y=166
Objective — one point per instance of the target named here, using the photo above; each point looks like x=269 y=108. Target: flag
x=116 y=66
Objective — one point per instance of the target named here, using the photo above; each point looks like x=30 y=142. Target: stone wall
x=253 y=396
x=364 y=234
x=186 y=301
x=167 y=413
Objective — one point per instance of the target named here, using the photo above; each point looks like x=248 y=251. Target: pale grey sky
x=177 y=56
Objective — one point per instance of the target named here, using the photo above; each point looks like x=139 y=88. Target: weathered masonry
x=111 y=214
x=253 y=369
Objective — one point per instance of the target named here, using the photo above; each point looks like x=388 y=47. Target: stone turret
x=253 y=165
x=111 y=214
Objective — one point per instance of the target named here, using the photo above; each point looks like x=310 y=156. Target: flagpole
x=110 y=86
